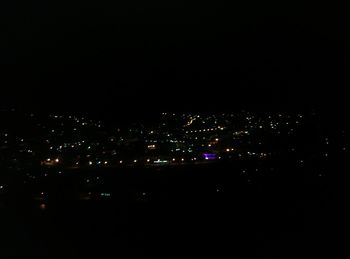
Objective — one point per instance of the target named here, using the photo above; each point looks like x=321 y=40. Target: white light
x=173 y=159
x=182 y=159
x=106 y=162
x=135 y=161
x=148 y=160
x=120 y=162
x=227 y=150
x=57 y=160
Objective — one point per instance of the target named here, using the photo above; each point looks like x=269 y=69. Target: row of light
x=204 y=130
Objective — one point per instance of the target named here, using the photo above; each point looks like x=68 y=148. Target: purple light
x=209 y=156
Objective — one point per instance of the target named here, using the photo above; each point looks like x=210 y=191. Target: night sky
x=145 y=56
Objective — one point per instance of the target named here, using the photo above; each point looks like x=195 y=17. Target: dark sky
x=172 y=55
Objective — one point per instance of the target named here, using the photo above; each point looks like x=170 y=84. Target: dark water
x=196 y=212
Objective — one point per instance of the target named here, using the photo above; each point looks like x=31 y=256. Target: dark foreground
x=226 y=210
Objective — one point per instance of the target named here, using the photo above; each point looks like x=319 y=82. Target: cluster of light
x=160 y=161
x=151 y=146
x=209 y=156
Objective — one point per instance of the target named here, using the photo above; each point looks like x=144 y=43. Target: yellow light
x=148 y=160
x=57 y=160
x=216 y=139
